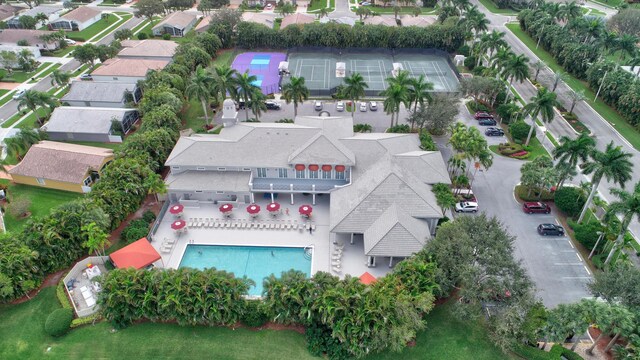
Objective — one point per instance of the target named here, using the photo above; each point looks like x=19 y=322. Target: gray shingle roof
x=105 y=91
x=395 y=233
x=179 y=20
x=88 y=120
x=428 y=166
x=322 y=150
x=234 y=181
x=148 y=48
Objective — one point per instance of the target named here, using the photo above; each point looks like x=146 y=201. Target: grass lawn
x=98 y=27
x=225 y=57
x=45 y=73
x=146 y=26
x=28 y=122
x=491 y=6
x=22 y=337
x=193 y=117
x=316 y=5
x=593 y=12
x=62 y=52
x=405 y=9
x=42 y=201
x=21 y=76
x=607 y=112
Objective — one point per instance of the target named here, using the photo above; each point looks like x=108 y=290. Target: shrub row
x=570 y=200
x=61 y=293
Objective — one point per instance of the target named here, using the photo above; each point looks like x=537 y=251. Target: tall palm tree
x=395 y=95
x=354 y=89
x=224 y=82
x=20 y=143
x=32 y=99
x=626 y=45
x=199 y=87
x=572 y=10
x=257 y=104
x=516 y=68
x=538 y=66
x=542 y=104
x=419 y=91
x=500 y=59
x=571 y=151
x=494 y=41
x=323 y=12
x=60 y=78
x=613 y=164
x=628 y=206
x=295 y=90
x=246 y=88
x=576 y=97
x=557 y=78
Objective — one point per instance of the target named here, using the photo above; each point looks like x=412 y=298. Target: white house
x=177 y=24
x=77 y=20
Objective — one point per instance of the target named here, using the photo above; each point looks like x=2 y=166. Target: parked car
x=240 y=104
x=536 y=208
x=86 y=77
x=466 y=206
x=487 y=122
x=492 y=131
x=373 y=106
x=365 y=3
x=318 y=105
x=69 y=41
x=19 y=94
x=482 y=115
x=269 y=7
x=272 y=105
x=340 y=106
x=550 y=229
x=363 y=106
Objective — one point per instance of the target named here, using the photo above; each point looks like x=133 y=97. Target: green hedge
x=255 y=314
x=522 y=192
x=85 y=320
x=555 y=353
x=58 y=322
x=569 y=200
x=61 y=293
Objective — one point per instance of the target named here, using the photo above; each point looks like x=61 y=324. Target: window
x=326 y=174
x=299 y=174
x=200 y=168
x=262 y=172
x=313 y=174
x=222 y=169
x=115 y=79
x=340 y=175
x=246 y=169
x=283 y=173
x=40 y=181
x=87 y=181
x=219 y=192
x=199 y=191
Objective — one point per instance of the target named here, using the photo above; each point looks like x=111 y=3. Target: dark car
x=240 y=104
x=536 y=208
x=550 y=229
x=494 y=132
x=272 y=105
x=487 y=122
x=482 y=115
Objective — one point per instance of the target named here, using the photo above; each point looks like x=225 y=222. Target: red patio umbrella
x=178 y=225
x=274 y=206
x=176 y=209
x=226 y=208
x=253 y=209
x=305 y=210
x=367 y=278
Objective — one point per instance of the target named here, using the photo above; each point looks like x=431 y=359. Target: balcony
x=295 y=185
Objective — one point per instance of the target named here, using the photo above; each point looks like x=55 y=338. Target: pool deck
x=353 y=260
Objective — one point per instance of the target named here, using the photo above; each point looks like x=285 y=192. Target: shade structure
x=299 y=167
x=326 y=167
x=274 y=206
x=313 y=167
x=176 y=209
x=305 y=210
x=226 y=208
x=253 y=209
x=340 y=168
x=178 y=225
x=137 y=255
x=367 y=278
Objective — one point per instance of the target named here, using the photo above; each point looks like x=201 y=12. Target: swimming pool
x=256 y=262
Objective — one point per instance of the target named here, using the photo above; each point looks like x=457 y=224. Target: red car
x=482 y=115
x=536 y=208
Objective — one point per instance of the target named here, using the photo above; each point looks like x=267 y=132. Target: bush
x=61 y=294
x=58 y=322
x=522 y=192
x=166 y=36
x=470 y=62
x=255 y=314
x=464 y=50
x=149 y=216
x=401 y=128
x=142 y=36
x=136 y=230
x=519 y=130
x=426 y=142
x=85 y=320
x=320 y=341
x=586 y=233
x=508 y=149
x=476 y=106
x=569 y=200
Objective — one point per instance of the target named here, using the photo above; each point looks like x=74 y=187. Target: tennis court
x=319 y=69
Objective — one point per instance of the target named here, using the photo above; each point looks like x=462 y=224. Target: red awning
x=326 y=167
x=138 y=255
x=299 y=167
x=340 y=168
x=314 y=167
x=367 y=278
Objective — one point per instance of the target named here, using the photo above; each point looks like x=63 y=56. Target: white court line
x=384 y=83
x=326 y=70
x=441 y=76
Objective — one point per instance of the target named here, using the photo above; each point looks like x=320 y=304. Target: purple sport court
x=264 y=66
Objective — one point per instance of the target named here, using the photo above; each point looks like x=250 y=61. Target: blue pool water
x=256 y=262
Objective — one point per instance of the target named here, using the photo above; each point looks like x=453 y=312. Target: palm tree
x=257 y=104
x=354 y=89
x=286 y=9
x=295 y=90
x=538 y=66
x=32 y=99
x=361 y=11
x=20 y=143
x=323 y=12
x=557 y=77
x=626 y=44
x=576 y=97
x=395 y=95
x=60 y=78
x=628 y=206
x=516 y=68
x=542 y=104
x=419 y=91
x=613 y=164
x=571 y=151
x=246 y=88
x=572 y=10
x=494 y=41
x=97 y=239
x=500 y=59
x=200 y=88
x=155 y=185
x=224 y=82
x=396 y=11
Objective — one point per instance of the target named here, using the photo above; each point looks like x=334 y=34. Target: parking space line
x=577 y=277
x=568 y=264
x=588 y=272
x=579 y=257
x=570 y=243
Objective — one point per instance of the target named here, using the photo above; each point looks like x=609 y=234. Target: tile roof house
x=296 y=19
x=379 y=184
x=77 y=19
x=148 y=49
x=203 y=25
x=89 y=123
x=380 y=20
x=417 y=21
x=176 y=24
x=266 y=19
x=52 y=13
x=101 y=94
x=7 y=11
x=32 y=37
x=62 y=166
x=127 y=70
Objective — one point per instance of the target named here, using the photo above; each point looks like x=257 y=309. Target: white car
x=70 y=42
x=373 y=106
x=340 y=106
x=269 y=7
x=19 y=94
x=363 y=106
x=317 y=105
x=467 y=206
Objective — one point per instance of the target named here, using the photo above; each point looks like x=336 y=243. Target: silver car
x=467 y=206
x=317 y=105
x=373 y=106
x=363 y=106
x=340 y=106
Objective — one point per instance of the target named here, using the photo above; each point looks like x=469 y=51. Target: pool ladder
x=308 y=252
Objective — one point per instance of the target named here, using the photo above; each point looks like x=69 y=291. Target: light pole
x=600 y=87
x=541 y=31
x=601 y=235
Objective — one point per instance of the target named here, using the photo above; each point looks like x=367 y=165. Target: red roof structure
x=367 y=278
x=137 y=255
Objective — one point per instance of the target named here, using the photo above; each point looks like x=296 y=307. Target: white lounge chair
x=313 y=227
x=336 y=269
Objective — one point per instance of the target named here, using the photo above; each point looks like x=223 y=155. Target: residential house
x=77 y=19
x=102 y=94
x=128 y=71
x=420 y=21
x=379 y=184
x=7 y=11
x=90 y=123
x=13 y=37
x=203 y=25
x=148 y=49
x=62 y=166
x=52 y=13
x=176 y=24
x=380 y=20
x=266 y=19
x=344 y=20
x=17 y=49
x=296 y=19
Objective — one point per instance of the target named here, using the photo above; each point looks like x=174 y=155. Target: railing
x=156 y=224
